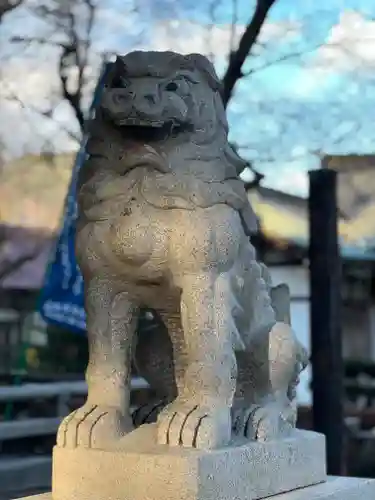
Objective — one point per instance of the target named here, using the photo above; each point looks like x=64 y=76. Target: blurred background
x=299 y=86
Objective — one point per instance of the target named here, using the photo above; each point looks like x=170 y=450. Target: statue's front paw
x=261 y=423
x=93 y=426
x=183 y=423
x=265 y=424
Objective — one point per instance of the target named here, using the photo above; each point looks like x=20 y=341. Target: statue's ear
x=116 y=70
x=206 y=70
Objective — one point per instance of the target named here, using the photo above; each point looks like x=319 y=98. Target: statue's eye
x=120 y=83
x=171 y=87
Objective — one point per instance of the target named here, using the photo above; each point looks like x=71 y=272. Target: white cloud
x=350 y=44
x=186 y=37
x=30 y=84
x=31 y=74
x=291 y=179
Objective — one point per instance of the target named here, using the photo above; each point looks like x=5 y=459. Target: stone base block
x=143 y=470
x=335 y=488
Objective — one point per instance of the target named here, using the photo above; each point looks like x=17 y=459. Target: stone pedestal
x=142 y=470
x=335 y=488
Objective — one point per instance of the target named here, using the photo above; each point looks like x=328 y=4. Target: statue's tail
x=259 y=304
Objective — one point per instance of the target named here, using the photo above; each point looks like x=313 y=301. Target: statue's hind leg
x=111 y=322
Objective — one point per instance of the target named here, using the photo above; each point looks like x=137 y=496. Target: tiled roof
x=24 y=255
x=285 y=217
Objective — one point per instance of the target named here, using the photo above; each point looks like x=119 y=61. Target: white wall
x=300 y=312
x=297 y=277
x=298 y=280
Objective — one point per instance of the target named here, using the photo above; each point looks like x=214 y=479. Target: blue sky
x=283 y=114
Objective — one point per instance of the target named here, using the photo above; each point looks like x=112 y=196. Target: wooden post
x=325 y=317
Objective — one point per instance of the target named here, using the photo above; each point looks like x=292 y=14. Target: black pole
x=325 y=317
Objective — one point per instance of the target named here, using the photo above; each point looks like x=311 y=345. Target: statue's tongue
x=135 y=121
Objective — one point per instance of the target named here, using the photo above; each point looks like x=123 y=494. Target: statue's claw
x=194 y=426
x=261 y=423
x=147 y=414
x=93 y=426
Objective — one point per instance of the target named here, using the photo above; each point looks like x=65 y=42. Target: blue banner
x=61 y=300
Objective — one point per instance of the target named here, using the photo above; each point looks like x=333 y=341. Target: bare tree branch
x=73 y=97
x=237 y=58
x=74 y=48
x=41 y=41
x=285 y=57
x=258 y=177
x=47 y=114
x=76 y=54
x=248 y=39
x=255 y=182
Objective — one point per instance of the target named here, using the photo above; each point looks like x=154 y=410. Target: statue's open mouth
x=150 y=130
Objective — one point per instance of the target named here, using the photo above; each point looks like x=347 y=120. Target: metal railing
x=30 y=472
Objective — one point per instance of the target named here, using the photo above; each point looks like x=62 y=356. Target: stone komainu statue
x=164 y=223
